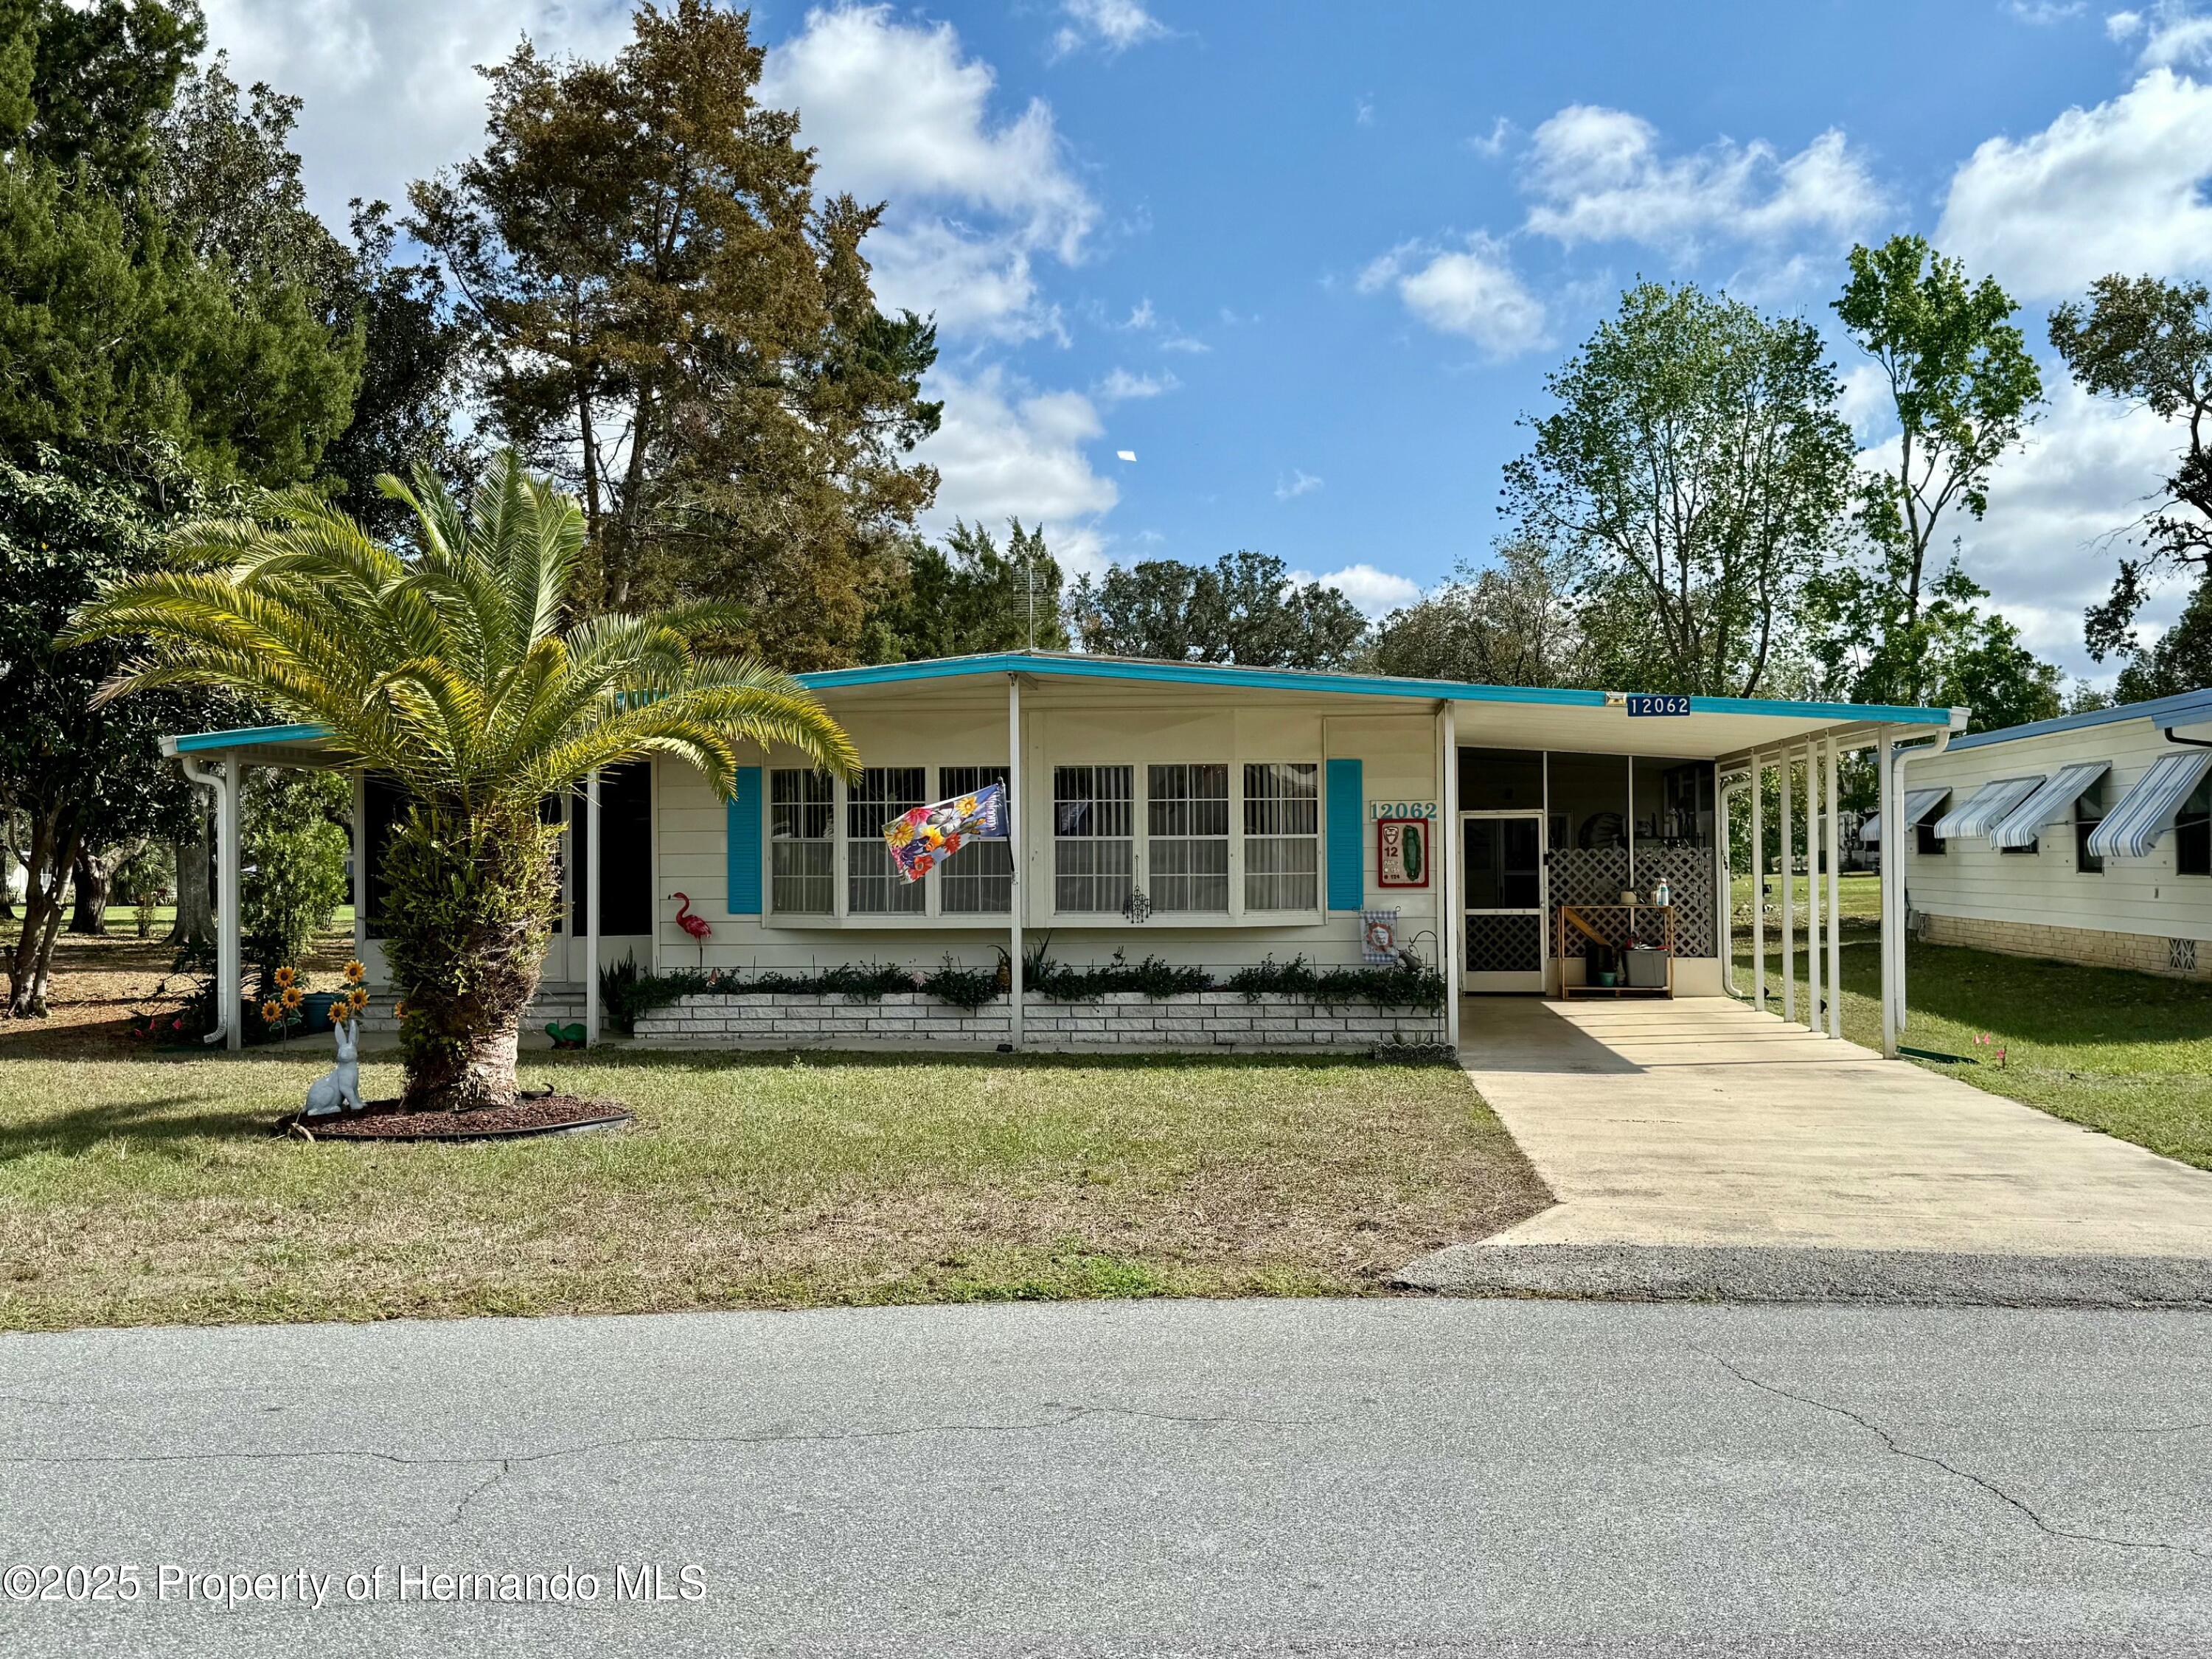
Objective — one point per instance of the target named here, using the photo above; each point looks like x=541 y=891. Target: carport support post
x=229 y=814
x=1812 y=889
x=1758 y=883
x=592 y=861
x=1018 y=900
x=1892 y=880
x=1447 y=878
x=1835 y=895
x=1788 y=894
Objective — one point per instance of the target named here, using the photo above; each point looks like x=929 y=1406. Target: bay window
x=1093 y=838
x=1186 y=838
x=1282 y=835
x=978 y=880
x=873 y=886
x=802 y=858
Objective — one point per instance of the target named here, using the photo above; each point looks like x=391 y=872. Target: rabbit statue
x=340 y=1088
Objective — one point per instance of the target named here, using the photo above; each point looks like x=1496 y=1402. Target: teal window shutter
x=1348 y=872
x=744 y=843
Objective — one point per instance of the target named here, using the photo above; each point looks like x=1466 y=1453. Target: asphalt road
x=1315 y=1478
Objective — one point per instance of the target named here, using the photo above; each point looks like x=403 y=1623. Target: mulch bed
x=533 y=1114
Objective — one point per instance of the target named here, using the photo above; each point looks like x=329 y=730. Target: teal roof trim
x=1303 y=679
x=247 y=737
x=1205 y=673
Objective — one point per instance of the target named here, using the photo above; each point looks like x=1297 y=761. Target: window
x=1927 y=841
x=873 y=886
x=1093 y=844
x=1187 y=837
x=802 y=858
x=2193 y=834
x=979 y=880
x=1282 y=835
x=2028 y=851
x=2088 y=812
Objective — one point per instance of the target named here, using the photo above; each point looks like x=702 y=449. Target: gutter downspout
x=220 y=784
x=1892 y=853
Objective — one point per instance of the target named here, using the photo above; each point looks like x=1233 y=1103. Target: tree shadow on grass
x=155 y=1125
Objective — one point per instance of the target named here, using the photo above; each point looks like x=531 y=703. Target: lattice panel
x=1586 y=876
x=1503 y=943
x=1689 y=873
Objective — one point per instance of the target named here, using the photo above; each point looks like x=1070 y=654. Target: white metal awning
x=1918 y=803
x=2053 y=801
x=2147 y=812
x=1989 y=806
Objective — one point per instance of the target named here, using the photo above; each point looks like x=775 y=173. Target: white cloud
x=1121 y=385
x=1004 y=451
x=1363 y=112
x=389 y=89
x=2124 y=25
x=2116 y=188
x=1185 y=343
x=2045 y=12
x=1472 y=292
x=1114 y=26
x=1296 y=484
x=2059 y=511
x=1868 y=405
x=2174 y=33
x=1375 y=591
x=1597 y=174
x=898 y=113
x=1490 y=148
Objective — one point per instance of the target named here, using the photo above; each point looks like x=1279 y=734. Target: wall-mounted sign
x=1646 y=703
x=1401 y=853
x=1401 y=809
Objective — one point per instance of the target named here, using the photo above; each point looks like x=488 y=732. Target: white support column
x=594 y=859
x=230 y=813
x=1892 y=884
x=1788 y=893
x=1835 y=894
x=1016 y=803
x=1813 y=888
x=1447 y=879
x=1758 y=883
x=1722 y=884
x=360 y=861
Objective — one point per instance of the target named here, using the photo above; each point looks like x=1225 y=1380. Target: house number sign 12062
x=1401 y=809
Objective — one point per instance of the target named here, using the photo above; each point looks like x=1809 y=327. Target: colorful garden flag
x=925 y=836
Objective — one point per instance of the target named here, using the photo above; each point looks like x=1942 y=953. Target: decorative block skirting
x=2143 y=953
x=1123 y=1019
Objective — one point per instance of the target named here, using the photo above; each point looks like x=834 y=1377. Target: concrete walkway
x=1699 y=1122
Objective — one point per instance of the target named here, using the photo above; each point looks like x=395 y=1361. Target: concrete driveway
x=1701 y=1123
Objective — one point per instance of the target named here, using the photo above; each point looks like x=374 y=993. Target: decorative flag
x=925 y=836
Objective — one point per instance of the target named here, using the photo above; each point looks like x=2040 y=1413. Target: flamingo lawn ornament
x=695 y=926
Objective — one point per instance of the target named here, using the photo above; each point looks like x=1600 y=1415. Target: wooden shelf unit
x=1582 y=919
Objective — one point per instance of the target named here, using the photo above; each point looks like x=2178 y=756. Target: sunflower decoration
x=359 y=997
x=293 y=996
x=399 y=1009
x=285 y=978
x=272 y=1012
x=354 y=973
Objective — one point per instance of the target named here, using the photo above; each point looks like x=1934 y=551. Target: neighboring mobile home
x=2084 y=839
x=1209 y=816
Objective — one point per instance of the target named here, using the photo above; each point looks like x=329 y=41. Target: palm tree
x=455 y=669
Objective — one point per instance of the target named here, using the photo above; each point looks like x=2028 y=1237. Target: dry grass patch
x=136 y=1191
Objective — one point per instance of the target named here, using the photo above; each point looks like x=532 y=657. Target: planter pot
x=1608 y=977
x=315 y=1018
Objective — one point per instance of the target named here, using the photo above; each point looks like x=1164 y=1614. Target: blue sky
x=1309 y=264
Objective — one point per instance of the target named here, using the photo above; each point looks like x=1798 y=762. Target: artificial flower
x=354 y=973
x=293 y=996
x=283 y=976
x=360 y=998
x=272 y=1011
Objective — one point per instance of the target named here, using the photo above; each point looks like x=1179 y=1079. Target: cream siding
x=1973 y=880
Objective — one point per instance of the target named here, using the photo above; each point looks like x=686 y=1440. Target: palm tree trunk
x=475 y=1074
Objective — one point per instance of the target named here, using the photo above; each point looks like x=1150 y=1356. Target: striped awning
x=1989 y=806
x=1918 y=803
x=2053 y=801
x=2147 y=812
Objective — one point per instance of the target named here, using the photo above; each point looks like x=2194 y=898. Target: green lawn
x=137 y=1190
x=2129 y=1053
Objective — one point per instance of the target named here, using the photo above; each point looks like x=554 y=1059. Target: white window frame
x=769 y=804
x=841 y=842
x=1246 y=834
x=1149 y=878
x=1134 y=839
x=849 y=843
x=988 y=772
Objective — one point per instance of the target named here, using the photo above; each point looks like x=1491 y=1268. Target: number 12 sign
x=1401 y=853
x=1646 y=703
